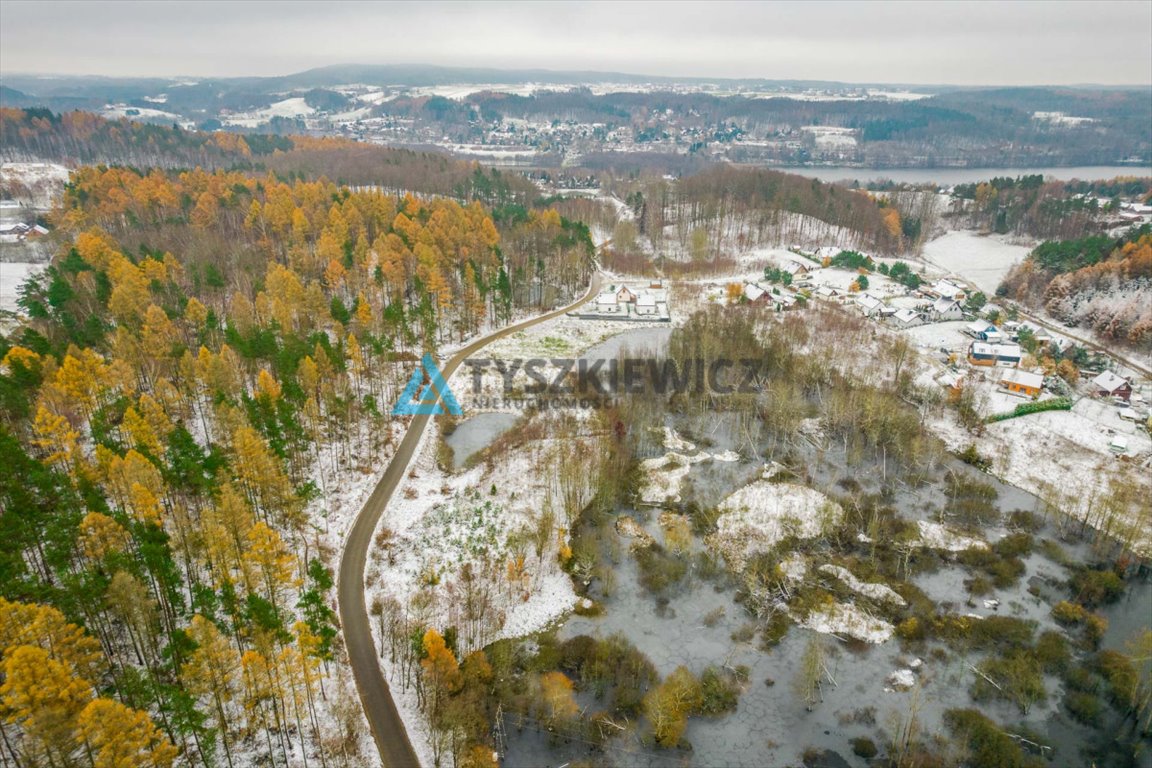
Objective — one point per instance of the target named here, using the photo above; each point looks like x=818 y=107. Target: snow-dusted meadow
x=982 y=260
x=12 y=276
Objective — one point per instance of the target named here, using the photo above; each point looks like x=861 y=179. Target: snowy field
x=12 y=276
x=37 y=185
x=982 y=260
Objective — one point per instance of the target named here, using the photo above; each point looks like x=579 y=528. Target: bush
x=1014 y=545
x=659 y=570
x=1019 y=679
x=911 y=629
x=1052 y=652
x=719 y=692
x=977 y=586
x=1093 y=588
x=612 y=664
x=1067 y=613
x=987 y=744
x=1080 y=679
x=1004 y=632
x=1004 y=571
x=863 y=747
x=1038 y=406
x=974 y=458
x=1122 y=677
x=1026 y=521
x=1084 y=707
x=1095 y=626
x=972 y=502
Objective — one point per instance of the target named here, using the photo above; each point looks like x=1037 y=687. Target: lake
x=951 y=176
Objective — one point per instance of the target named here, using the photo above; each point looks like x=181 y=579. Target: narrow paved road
x=387 y=727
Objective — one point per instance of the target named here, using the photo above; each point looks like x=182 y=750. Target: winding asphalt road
x=387 y=727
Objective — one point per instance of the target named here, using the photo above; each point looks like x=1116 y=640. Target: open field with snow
x=12 y=276
x=36 y=185
x=983 y=260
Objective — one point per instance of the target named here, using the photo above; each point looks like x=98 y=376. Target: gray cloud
x=936 y=42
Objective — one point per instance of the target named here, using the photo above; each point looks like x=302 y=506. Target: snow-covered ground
x=759 y=515
x=1064 y=458
x=12 y=276
x=983 y=260
x=437 y=523
x=294 y=106
x=37 y=185
x=875 y=591
x=117 y=111
x=845 y=619
x=937 y=536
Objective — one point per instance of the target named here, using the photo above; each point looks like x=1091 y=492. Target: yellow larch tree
x=117 y=736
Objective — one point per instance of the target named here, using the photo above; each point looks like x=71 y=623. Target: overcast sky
x=975 y=43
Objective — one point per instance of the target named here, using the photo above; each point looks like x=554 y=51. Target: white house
x=646 y=304
x=945 y=308
x=907 y=318
x=606 y=302
x=948 y=289
x=783 y=300
x=869 y=305
x=794 y=268
x=984 y=331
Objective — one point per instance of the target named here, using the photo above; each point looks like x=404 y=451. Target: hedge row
x=1054 y=404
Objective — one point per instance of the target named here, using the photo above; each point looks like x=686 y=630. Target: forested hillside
x=1098 y=282
x=206 y=360
x=1029 y=205
x=705 y=219
x=75 y=138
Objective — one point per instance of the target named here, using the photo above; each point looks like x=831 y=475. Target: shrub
x=974 y=458
x=719 y=692
x=1093 y=587
x=1014 y=545
x=1084 y=707
x=1052 y=652
x=1006 y=632
x=1080 y=679
x=658 y=569
x=1095 y=626
x=911 y=629
x=863 y=747
x=1026 y=521
x=1122 y=677
x=987 y=744
x=1019 y=679
x=1067 y=613
x=978 y=585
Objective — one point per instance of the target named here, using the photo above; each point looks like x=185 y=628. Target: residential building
x=1022 y=382
x=1108 y=384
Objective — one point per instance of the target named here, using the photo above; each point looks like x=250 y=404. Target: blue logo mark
x=415 y=400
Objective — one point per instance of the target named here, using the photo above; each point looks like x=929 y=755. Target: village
x=1007 y=366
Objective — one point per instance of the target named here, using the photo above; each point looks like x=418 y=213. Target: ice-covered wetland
x=804 y=575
